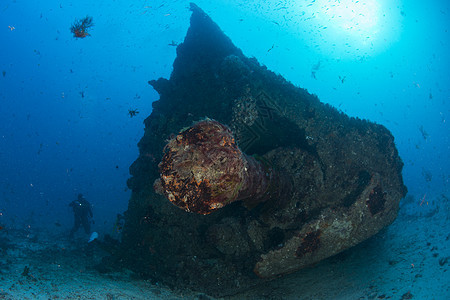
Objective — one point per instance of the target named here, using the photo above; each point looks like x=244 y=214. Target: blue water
x=65 y=126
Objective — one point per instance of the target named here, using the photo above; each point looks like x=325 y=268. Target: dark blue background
x=387 y=62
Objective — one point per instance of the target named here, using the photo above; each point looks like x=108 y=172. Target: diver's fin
x=93 y=237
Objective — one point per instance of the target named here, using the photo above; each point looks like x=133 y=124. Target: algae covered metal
x=271 y=181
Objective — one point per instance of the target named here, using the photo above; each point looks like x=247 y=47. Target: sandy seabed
x=408 y=260
x=32 y=267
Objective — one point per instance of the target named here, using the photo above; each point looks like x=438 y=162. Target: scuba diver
x=82 y=212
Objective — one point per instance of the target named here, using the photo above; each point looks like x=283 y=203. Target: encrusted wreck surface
x=345 y=174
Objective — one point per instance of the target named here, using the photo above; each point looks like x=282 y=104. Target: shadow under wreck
x=273 y=182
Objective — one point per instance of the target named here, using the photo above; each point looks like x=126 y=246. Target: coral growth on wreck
x=203 y=169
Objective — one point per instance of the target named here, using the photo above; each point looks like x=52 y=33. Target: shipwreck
x=243 y=177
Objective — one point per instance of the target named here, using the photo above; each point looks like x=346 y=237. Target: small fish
x=423 y=132
x=132 y=112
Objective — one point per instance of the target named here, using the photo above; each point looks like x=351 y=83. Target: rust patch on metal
x=310 y=243
x=376 y=200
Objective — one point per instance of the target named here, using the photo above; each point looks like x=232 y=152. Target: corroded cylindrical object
x=203 y=169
